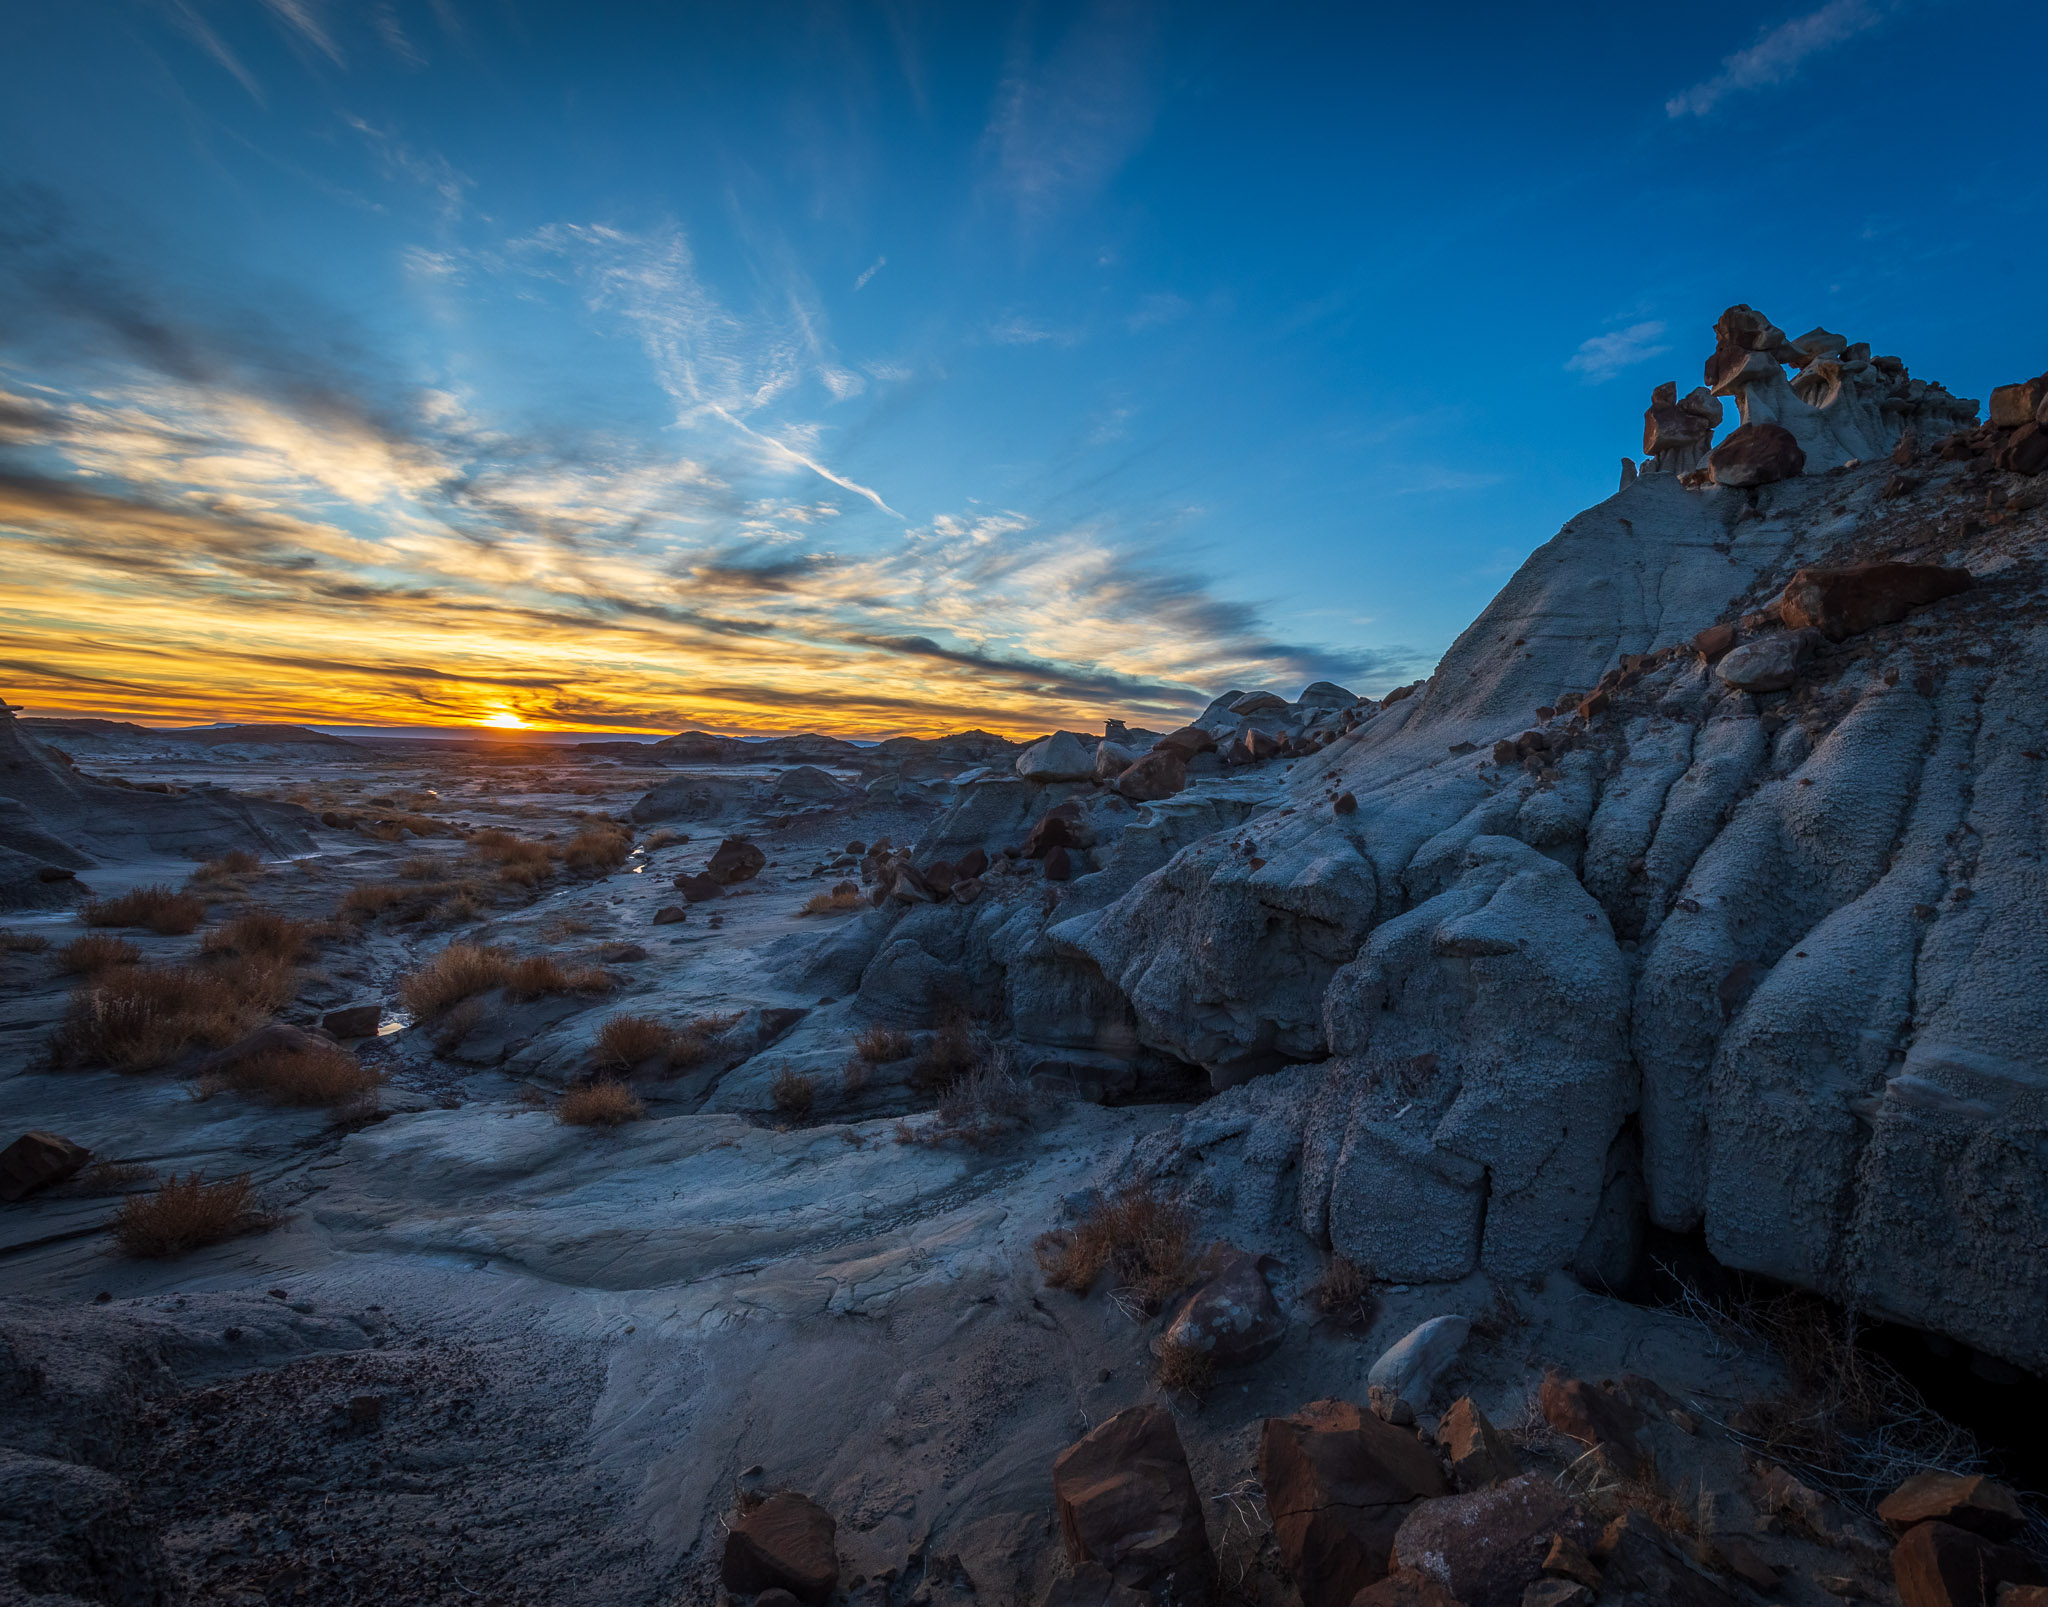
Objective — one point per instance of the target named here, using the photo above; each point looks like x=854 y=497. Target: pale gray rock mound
x=1060 y=757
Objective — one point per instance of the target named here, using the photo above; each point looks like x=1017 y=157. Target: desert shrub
x=949 y=1054
x=693 y=1040
x=878 y=1045
x=793 y=1093
x=261 y=933
x=114 y=1177
x=458 y=972
x=317 y=1075
x=627 y=1040
x=22 y=942
x=189 y=1213
x=598 y=850
x=235 y=862
x=519 y=860
x=1139 y=1234
x=96 y=952
x=599 y=1104
x=538 y=975
x=134 y=1018
x=855 y=1077
x=662 y=837
x=372 y=898
x=981 y=1105
x=420 y=868
x=842 y=900
x=1344 y=1293
x=164 y=910
x=459 y=907
x=1184 y=1369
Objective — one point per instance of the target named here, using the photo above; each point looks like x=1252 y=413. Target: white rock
x=1770 y=665
x=1411 y=1365
x=1059 y=757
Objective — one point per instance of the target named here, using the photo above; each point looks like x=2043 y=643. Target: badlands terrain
x=1574 y=1129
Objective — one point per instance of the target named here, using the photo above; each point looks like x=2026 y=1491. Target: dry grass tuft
x=842 y=900
x=1344 y=1293
x=599 y=1104
x=422 y=868
x=22 y=942
x=460 y=971
x=235 y=862
x=793 y=1093
x=372 y=899
x=693 y=1040
x=96 y=952
x=519 y=860
x=1142 y=1236
x=879 y=1045
x=164 y=910
x=982 y=1105
x=262 y=934
x=949 y=1054
x=627 y=1040
x=459 y=908
x=1184 y=1369
x=189 y=1213
x=662 y=838
x=539 y=975
x=321 y=1075
x=855 y=1077
x=598 y=849
x=134 y=1018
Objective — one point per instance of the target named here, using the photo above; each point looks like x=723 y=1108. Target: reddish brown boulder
x=357 y=1021
x=1476 y=1451
x=1592 y=1416
x=784 y=1543
x=1971 y=1502
x=1338 y=1484
x=1757 y=454
x=2014 y=405
x=1840 y=603
x=1059 y=865
x=1939 y=1565
x=699 y=889
x=735 y=860
x=2027 y=451
x=1188 y=741
x=1346 y=804
x=1061 y=828
x=38 y=1160
x=1712 y=642
x=972 y=863
x=1488 y=1547
x=1127 y=1501
x=1160 y=774
x=1230 y=1313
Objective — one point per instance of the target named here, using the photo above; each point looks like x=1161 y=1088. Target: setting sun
x=507 y=721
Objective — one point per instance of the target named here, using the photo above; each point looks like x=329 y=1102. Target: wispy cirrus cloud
x=1602 y=357
x=1780 y=52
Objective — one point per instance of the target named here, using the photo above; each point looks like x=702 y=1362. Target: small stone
x=1745 y=1564
x=1410 y=1366
x=699 y=889
x=735 y=860
x=1712 y=642
x=669 y=914
x=38 y=1160
x=358 y=1021
x=1346 y=804
x=1389 y=1407
x=1488 y=1547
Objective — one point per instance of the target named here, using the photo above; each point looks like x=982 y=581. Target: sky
x=899 y=368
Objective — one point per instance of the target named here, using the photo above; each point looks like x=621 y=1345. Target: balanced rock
x=786 y=1542
x=38 y=1160
x=735 y=860
x=1059 y=757
x=1160 y=774
x=1845 y=602
x=1126 y=1500
x=1230 y=1313
x=1339 y=1483
x=1757 y=454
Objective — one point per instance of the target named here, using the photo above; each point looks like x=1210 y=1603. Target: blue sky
x=901 y=367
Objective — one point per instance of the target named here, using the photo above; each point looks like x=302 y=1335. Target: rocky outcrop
x=56 y=821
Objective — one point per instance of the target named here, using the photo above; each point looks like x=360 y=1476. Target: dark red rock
x=1939 y=1565
x=38 y=1160
x=1056 y=830
x=735 y=860
x=1840 y=603
x=2026 y=452
x=784 y=1543
x=1339 y=1483
x=1712 y=642
x=1908 y=449
x=1059 y=865
x=1488 y=1547
x=1405 y=1588
x=1126 y=1500
x=1188 y=741
x=1586 y=1413
x=1973 y=1502
x=669 y=914
x=1230 y=1312
x=1477 y=1453
x=1160 y=774
x=700 y=888
x=939 y=876
x=1757 y=454
x=1346 y=804
x=357 y=1021
x=972 y=863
